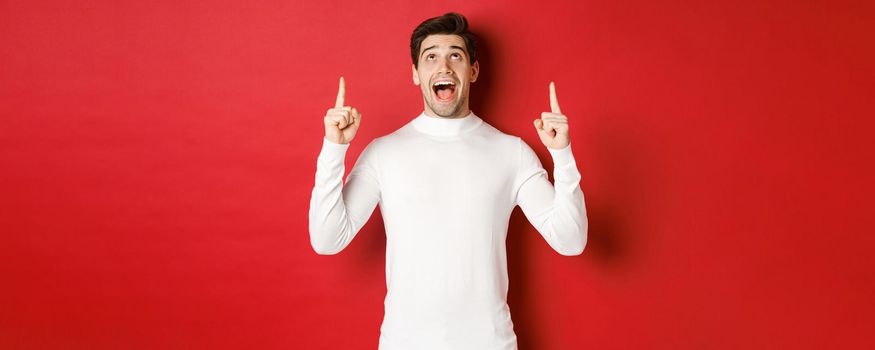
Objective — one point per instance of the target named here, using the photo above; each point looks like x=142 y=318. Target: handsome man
x=446 y=183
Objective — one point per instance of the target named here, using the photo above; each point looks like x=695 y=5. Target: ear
x=415 y=76
x=475 y=71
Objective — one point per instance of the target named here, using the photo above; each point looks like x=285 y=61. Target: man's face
x=445 y=75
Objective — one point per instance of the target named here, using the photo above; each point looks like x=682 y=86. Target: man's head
x=444 y=64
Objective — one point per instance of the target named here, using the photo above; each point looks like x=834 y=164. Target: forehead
x=442 y=41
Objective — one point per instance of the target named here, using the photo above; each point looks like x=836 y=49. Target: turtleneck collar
x=439 y=126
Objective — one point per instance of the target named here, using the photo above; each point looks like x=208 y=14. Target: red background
x=158 y=157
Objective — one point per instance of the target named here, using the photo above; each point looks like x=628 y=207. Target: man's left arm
x=557 y=211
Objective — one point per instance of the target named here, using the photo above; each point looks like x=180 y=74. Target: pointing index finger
x=554 y=103
x=341 y=94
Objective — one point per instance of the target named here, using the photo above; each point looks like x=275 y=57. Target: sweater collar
x=439 y=126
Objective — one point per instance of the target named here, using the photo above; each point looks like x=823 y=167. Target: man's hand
x=552 y=127
x=341 y=122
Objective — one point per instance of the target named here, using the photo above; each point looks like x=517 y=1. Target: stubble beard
x=450 y=111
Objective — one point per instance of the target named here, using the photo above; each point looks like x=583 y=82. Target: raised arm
x=337 y=210
x=557 y=211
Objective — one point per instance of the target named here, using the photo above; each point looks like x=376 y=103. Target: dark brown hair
x=448 y=23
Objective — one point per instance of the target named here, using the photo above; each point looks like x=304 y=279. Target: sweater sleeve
x=337 y=210
x=557 y=212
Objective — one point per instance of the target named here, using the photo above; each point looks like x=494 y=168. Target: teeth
x=442 y=83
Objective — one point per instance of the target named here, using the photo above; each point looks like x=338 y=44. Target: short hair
x=448 y=23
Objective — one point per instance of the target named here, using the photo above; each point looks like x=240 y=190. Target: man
x=446 y=183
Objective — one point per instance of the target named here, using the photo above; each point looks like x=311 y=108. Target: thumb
x=356 y=118
x=539 y=127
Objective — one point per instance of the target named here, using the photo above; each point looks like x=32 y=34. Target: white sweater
x=446 y=189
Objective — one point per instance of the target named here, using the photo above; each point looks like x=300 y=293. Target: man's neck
x=463 y=113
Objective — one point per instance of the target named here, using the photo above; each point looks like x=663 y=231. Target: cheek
x=463 y=70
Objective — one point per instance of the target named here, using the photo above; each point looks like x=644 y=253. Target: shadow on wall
x=481 y=98
x=523 y=311
x=614 y=211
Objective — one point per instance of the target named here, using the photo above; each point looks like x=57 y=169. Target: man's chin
x=446 y=109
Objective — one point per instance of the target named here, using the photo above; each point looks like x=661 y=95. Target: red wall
x=157 y=162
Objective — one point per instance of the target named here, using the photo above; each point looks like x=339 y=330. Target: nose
x=444 y=67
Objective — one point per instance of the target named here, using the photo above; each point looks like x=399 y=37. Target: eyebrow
x=426 y=49
x=451 y=46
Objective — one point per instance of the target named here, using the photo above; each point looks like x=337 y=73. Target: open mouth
x=444 y=90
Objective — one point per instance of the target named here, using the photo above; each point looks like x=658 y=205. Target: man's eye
x=429 y=57
x=456 y=56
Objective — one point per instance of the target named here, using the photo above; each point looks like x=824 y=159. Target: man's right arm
x=337 y=211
